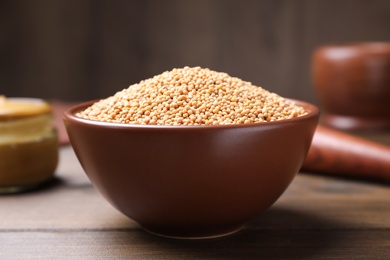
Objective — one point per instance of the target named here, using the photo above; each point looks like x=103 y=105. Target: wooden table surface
x=318 y=217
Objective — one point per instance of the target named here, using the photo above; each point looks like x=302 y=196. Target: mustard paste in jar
x=28 y=144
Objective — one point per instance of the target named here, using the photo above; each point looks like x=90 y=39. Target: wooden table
x=318 y=217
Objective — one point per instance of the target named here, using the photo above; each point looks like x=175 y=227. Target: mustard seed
x=192 y=96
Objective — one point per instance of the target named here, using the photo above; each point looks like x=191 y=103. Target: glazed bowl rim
x=311 y=109
x=355 y=45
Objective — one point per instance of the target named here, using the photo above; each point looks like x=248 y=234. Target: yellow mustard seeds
x=192 y=96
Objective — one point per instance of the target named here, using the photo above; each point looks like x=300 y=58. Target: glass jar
x=28 y=144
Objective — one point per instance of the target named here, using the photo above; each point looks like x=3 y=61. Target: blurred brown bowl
x=352 y=82
x=191 y=181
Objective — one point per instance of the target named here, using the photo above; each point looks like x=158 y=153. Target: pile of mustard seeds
x=192 y=96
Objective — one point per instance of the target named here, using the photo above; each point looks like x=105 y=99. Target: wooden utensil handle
x=339 y=153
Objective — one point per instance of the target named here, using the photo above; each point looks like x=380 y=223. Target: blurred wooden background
x=76 y=50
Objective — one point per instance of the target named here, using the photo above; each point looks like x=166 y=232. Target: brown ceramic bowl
x=352 y=82
x=191 y=181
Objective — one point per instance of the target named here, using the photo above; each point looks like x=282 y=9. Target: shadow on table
x=51 y=184
x=277 y=234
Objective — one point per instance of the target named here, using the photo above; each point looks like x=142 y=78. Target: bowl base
x=193 y=235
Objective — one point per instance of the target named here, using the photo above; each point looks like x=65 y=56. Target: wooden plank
x=70 y=202
x=310 y=202
x=318 y=217
x=248 y=244
x=79 y=50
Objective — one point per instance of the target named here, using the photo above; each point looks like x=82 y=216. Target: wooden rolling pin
x=338 y=153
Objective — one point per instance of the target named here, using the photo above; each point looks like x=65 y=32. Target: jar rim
x=17 y=108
